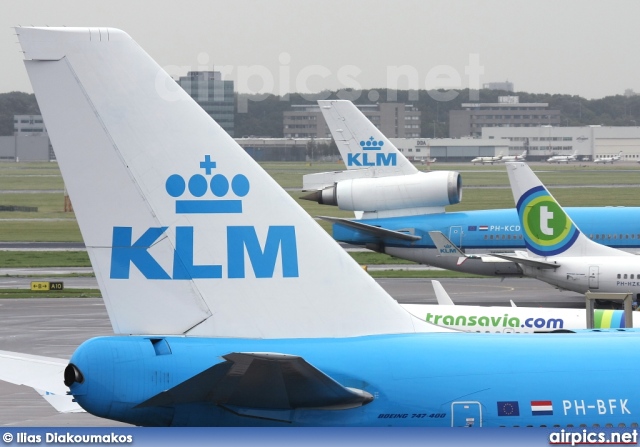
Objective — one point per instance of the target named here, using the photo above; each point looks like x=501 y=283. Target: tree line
x=264 y=113
x=261 y=115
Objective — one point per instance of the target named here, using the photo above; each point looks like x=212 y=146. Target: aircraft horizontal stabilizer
x=444 y=246
x=447 y=248
x=44 y=374
x=321 y=180
x=376 y=231
x=263 y=381
x=528 y=261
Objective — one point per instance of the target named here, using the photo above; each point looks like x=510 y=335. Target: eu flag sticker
x=508 y=408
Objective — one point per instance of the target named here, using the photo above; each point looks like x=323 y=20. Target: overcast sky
x=581 y=47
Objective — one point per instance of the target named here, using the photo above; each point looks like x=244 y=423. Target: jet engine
x=421 y=190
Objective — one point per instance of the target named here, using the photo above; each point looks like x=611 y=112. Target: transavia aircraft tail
x=188 y=236
x=557 y=251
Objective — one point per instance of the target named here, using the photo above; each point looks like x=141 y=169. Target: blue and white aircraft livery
x=397 y=207
x=557 y=252
x=290 y=333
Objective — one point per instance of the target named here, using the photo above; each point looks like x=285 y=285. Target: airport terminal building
x=541 y=142
x=449 y=149
x=215 y=95
x=415 y=149
x=29 y=142
x=507 y=112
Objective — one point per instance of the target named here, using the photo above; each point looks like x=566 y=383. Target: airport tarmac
x=55 y=327
x=491 y=291
x=52 y=328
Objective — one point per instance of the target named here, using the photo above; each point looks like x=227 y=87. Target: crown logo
x=198 y=185
x=371 y=144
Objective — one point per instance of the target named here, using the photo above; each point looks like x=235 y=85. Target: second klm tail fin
x=361 y=144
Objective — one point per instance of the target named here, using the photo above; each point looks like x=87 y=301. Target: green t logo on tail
x=547 y=229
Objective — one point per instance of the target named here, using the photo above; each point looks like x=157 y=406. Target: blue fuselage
x=499 y=229
x=446 y=379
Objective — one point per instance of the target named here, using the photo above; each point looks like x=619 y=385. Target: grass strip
x=35 y=259
x=68 y=293
x=371 y=258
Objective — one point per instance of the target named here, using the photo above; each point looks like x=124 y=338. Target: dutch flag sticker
x=541 y=408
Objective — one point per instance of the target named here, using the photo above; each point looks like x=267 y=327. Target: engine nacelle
x=422 y=190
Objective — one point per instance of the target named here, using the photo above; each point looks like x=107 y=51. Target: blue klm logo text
x=240 y=239
x=367 y=157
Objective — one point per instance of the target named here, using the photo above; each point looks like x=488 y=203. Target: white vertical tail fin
x=361 y=144
x=547 y=229
x=441 y=295
x=186 y=233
